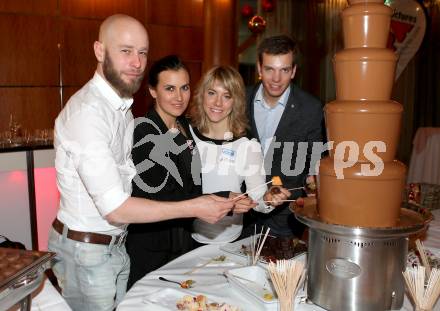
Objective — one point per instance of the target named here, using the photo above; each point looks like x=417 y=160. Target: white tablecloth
x=211 y=282
x=425 y=157
x=46 y=298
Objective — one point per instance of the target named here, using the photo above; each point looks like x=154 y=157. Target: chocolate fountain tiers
x=358 y=31
x=360 y=184
x=364 y=74
x=365 y=122
x=356 y=199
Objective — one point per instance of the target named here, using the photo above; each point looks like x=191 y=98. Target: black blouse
x=163 y=161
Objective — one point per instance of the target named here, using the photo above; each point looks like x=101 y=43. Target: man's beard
x=126 y=90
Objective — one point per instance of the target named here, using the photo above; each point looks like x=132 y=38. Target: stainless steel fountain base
x=355 y=273
x=355 y=268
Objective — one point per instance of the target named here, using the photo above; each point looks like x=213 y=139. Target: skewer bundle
x=286 y=276
x=423 y=296
x=257 y=243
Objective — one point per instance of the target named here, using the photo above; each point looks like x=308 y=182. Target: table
x=425 y=157
x=211 y=282
x=46 y=298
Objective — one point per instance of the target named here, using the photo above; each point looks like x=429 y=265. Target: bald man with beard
x=93 y=142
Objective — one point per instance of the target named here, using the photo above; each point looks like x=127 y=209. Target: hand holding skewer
x=242 y=204
x=276 y=195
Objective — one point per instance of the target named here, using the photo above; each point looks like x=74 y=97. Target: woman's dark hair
x=170 y=62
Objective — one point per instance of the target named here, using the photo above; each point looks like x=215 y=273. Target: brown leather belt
x=87 y=237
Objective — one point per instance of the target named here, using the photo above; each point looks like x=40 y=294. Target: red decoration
x=257 y=24
x=247 y=11
x=268 y=5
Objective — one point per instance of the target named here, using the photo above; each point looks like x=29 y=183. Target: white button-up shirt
x=267 y=117
x=93 y=142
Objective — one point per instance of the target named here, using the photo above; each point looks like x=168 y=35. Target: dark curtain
x=427 y=106
x=418 y=88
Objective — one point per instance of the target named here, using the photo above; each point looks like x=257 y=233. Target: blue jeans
x=92 y=277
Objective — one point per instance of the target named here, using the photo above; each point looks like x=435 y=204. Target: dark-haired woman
x=162 y=153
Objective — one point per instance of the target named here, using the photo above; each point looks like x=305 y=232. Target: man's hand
x=242 y=204
x=276 y=195
x=211 y=208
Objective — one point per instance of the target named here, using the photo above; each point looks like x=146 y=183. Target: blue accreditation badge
x=227 y=155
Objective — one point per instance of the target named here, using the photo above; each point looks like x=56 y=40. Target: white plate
x=242 y=247
x=255 y=281
x=166 y=299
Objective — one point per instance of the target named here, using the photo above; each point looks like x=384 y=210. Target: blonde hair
x=232 y=81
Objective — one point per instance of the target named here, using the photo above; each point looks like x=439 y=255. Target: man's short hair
x=277 y=45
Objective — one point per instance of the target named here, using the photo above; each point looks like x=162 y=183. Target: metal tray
x=21 y=272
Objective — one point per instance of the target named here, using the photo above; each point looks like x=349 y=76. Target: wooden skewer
x=296 y=188
x=246 y=280
x=257 y=246
x=279 y=201
x=423 y=256
x=253 y=244
x=251 y=190
x=219 y=259
x=199 y=267
x=260 y=245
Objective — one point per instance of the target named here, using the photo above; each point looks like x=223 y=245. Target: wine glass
x=14 y=129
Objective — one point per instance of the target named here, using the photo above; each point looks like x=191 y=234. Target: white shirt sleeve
x=87 y=138
x=254 y=173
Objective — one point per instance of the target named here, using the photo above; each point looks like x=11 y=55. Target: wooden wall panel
x=77 y=56
x=30 y=58
x=100 y=9
x=69 y=91
x=142 y=101
x=220 y=34
x=32 y=107
x=187 y=42
x=49 y=7
x=195 y=71
x=175 y=12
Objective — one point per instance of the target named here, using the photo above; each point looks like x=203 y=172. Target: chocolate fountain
x=358 y=237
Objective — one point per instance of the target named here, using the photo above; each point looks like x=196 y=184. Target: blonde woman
x=229 y=159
